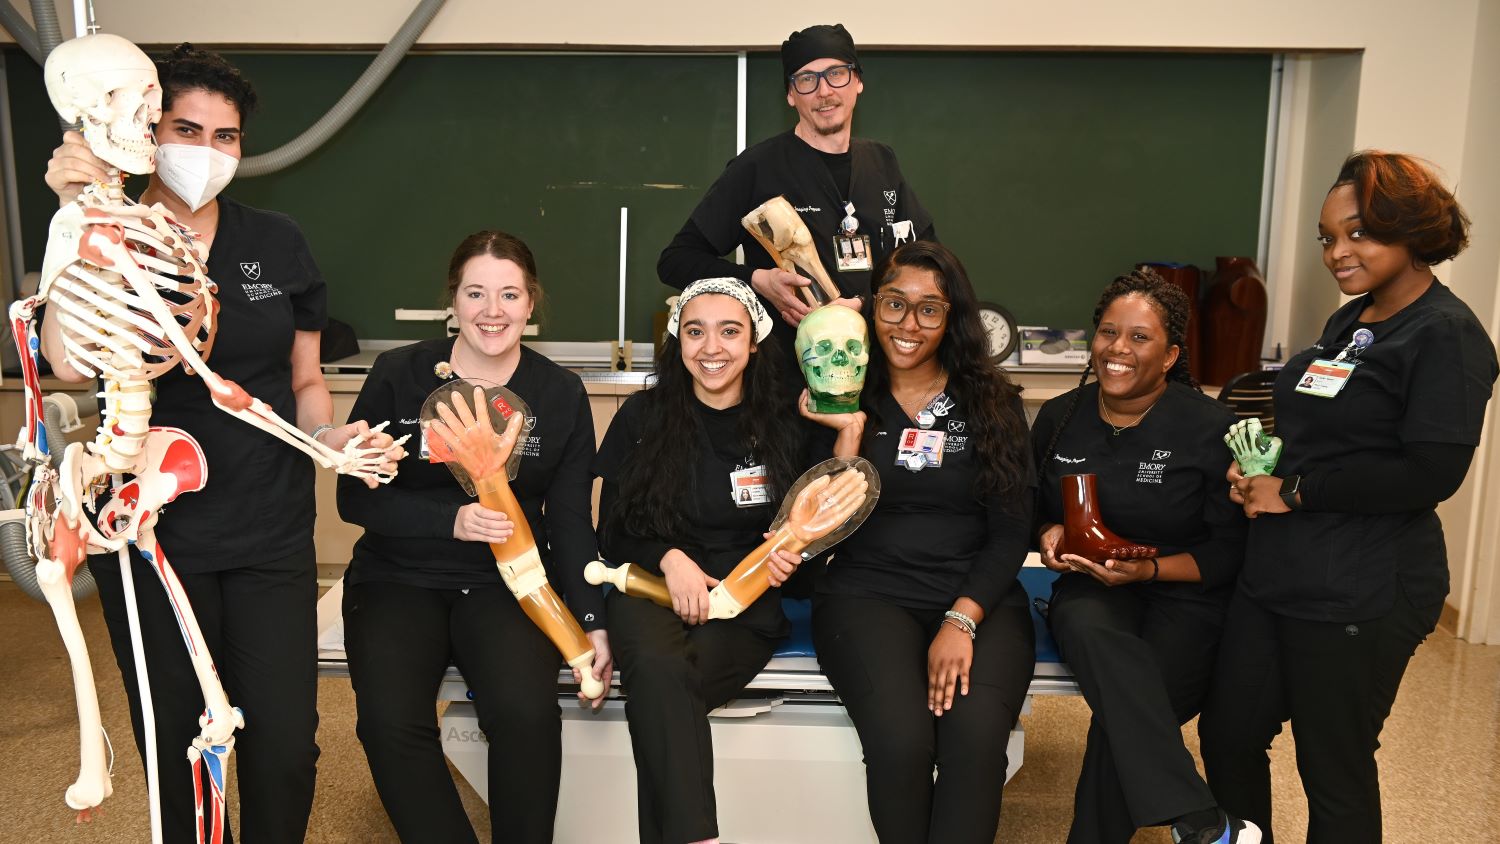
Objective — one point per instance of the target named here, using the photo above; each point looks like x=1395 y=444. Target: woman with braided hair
x=1141 y=635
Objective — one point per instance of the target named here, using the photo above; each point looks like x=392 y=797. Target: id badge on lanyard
x=851 y=250
x=748 y=487
x=1324 y=377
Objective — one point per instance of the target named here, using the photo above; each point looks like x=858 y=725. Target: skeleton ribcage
x=109 y=328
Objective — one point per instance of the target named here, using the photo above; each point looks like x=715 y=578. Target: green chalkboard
x=1051 y=173
x=1047 y=173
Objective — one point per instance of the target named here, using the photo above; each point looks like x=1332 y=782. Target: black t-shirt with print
x=258 y=504
x=930 y=539
x=409 y=522
x=1161 y=482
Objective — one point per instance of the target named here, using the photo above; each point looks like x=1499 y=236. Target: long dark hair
x=1171 y=304
x=999 y=434
x=658 y=481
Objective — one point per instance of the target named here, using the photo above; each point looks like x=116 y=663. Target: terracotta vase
x=1234 y=321
x=1189 y=278
x=1084 y=533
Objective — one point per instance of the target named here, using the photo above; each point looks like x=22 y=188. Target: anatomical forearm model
x=826 y=504
x=1084 y=533
x=778 y=227
x=466 y=432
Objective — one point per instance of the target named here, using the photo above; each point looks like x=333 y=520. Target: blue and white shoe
x=1232 y=831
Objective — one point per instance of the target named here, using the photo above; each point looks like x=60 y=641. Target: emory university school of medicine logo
x=251 y=269
x=890 y=196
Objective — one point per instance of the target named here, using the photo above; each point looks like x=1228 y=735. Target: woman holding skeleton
x=423 y=590
x=272 y=309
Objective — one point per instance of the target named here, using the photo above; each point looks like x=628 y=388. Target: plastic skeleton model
x=833 y=347
x=778 y=227
x=129 y=292
x=484 y=463
x=826 y=504
x=1084 y=533
x=1256 y=451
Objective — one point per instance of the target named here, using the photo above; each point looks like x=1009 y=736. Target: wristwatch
x=1289 y=488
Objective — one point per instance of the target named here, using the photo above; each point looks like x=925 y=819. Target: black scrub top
x=258 y=504
x=930 y=539
x=784 y=165
x=1160 y=482
x=1426 y=378
x=409 y=522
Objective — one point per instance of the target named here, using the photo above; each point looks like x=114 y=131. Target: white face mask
x=196 y=174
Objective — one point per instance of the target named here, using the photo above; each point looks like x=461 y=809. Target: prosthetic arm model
x=129 y=292
x=833 y=347
x=1256 y=451
x=484 y=463
x=1084 y=533
x=778 y=227
x=826 y=504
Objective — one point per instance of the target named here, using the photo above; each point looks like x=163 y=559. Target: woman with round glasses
x=919 y=620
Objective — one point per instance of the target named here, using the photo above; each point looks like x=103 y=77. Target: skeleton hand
x=471 y=438
x=1256 y=452
x=372 y=456
x=825 y=504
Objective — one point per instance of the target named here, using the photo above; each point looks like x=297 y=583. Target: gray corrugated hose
x=363 y=88
x=48 y=32
x=20 y=29
x=18 y=559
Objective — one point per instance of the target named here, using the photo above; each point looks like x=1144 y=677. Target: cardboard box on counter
x=1053 y=346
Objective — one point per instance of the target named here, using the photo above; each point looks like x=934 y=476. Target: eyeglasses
x=806 y=82
x=892 y=308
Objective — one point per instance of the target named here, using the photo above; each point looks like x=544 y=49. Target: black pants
x=876 y=655
x=673 y=676
x=260 y=624
x=1144 y=657
x=1336 y=682
x=400 y=640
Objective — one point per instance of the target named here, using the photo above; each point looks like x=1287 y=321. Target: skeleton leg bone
x=777 y=226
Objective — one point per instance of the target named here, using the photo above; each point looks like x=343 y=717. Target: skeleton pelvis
x=171 y=463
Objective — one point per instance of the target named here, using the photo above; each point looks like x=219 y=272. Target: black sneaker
x=1231 y=831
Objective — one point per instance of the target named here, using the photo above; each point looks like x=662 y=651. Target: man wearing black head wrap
x=822 y=170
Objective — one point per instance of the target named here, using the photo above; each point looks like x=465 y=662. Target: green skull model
x=834 y=350
x=1256 y=451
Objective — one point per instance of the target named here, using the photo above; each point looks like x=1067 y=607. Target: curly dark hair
x=658 y=481
x=1171 y=304
x=964 y=353
x=1402 y=203
x=188 y=68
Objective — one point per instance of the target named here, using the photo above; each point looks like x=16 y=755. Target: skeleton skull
x=834 y=349
x=111 y=86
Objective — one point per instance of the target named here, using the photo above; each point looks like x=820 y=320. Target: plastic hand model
x=1084 y=533
x=468 y=439
x=778 y=227
x=826 y=504
x=1256 y=451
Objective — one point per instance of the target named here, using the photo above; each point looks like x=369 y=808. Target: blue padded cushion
x=800 y=642
x=1037 y=580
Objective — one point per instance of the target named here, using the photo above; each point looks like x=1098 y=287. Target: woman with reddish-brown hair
x=1345 y=569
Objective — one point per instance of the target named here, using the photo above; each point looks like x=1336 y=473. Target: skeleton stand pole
x=143 y=686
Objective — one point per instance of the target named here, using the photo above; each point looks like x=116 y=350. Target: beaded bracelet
x=963 y=622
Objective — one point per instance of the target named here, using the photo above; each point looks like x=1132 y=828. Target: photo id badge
x=748 y=487
x=1324 y=378
x=852 y=252
x=919 y=449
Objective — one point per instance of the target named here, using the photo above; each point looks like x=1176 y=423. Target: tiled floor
x=1440 y=763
